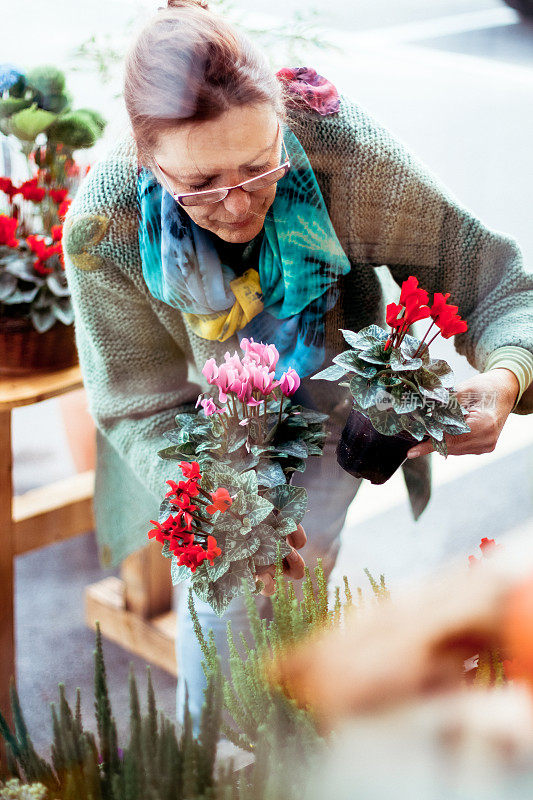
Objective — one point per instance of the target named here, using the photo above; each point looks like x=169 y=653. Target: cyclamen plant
x=228 y=519
x=251 y=422
x=394 y=381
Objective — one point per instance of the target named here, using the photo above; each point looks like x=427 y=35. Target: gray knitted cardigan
x=141 y=363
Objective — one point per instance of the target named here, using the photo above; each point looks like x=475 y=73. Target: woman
x=175 y=262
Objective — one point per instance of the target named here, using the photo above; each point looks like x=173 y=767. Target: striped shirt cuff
x=516 y=359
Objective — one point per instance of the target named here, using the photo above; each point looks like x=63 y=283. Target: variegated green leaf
x=269 y=473
x=364 y=391
x=290 y=501
x=177 y=573
x=401 y=362
x=333 y=373
x=386 y=422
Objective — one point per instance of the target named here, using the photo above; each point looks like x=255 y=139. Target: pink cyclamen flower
x=265 y=355
x=210 y=370
x=289 y=382
x=209 y=407
x=225 y=380
x=234 y=362
x=262 y=379
x=242 y=386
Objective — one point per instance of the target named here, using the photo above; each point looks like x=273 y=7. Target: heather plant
x=248 y=696
x=158 y=763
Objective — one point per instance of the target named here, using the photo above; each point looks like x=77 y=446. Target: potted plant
x=232 y=504
x=401 y=395
x=36 y=318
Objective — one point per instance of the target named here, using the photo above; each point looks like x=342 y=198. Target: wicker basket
x=23 y=350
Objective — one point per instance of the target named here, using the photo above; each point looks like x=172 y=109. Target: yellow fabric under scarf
x=248 y=304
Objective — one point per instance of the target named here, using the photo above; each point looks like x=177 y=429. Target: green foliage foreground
x=163 y=763
x=248 y=697
x=159 y=762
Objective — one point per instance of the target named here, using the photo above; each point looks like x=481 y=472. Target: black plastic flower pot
x=364 y=452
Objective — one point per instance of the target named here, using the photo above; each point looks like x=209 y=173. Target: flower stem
x=430 y=341
x=424 y=339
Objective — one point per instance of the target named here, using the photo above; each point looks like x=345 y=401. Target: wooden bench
x=39 y=517
x=134 y=610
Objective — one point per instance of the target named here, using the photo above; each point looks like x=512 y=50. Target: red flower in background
x=189 y=487
x=63 y=208
x=192 y=557
x=182 y=501
x=8 y=226
x=43 y=252
x=57 y=233
x=71 y=168
x=58 y=195
x=315 y=90
x=31 y=191
x=487 y=547
x=8 y=187
x=172 y=528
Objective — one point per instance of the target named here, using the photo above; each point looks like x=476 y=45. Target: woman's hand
x=293 y=564
x=489 y=398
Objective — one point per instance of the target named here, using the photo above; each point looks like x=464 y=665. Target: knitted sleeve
x=402 y=216
x=134 y=372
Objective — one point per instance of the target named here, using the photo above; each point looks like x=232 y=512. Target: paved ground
x=453 y=79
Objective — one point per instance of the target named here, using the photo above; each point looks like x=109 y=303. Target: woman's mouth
x=240 y=224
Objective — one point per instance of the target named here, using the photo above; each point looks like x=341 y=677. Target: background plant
x=290 y=41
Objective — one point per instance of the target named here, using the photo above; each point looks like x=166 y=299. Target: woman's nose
x=238 y=202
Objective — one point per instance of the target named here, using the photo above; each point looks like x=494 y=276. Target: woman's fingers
x=298 y=538
x=266 y=576
x=294 y=565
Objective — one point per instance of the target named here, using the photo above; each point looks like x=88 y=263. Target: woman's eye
x=259 y=169
x=256 y=170
x=200 y=186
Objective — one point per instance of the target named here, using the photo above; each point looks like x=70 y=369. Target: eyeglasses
x=210 y=196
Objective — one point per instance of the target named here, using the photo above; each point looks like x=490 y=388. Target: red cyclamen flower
x=451 y=324
x=31 y=191
x=58 y=195
x=63 y=208
x=213 y=551
x=189 y=487
x=221 y=501
x=412 y=294
x=8 y=226
x=192 y=557
x=8 y=188
x=191 y=470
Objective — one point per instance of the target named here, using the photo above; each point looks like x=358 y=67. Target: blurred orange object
x=518 y=632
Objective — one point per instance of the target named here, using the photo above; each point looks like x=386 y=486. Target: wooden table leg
x=7 y=627
x=148 y=588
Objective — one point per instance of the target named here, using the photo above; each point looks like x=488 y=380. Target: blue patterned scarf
x=300 y=262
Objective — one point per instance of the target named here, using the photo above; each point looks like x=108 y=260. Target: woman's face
x=240 y=144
